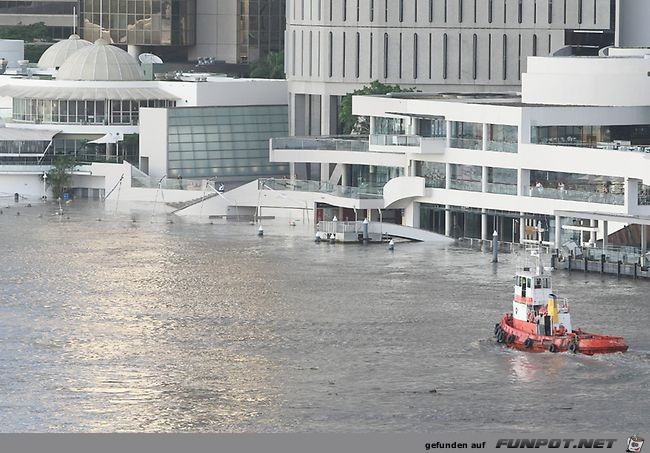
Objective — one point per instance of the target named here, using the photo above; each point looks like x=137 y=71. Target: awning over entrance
x=10 y=134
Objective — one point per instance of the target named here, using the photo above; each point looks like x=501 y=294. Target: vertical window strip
x=293 y=53
x=445 y=11
x=534 y=45
x=475 y=8
x=344 y=56
x=460 y=11
x=331 y=11
x=311 y=47
x=302 y=53
x=385 y=55
x=580 y=12
x=564 y=11
x=519 y=59
x=474 y=56
x=358 y=55
x=550 y=11
x=400 y=55
x=401 y=10
x=444 y=56
x=520 y=11
x=345 y=10
x=430 y=10
x=372 y=10
x=386 y=10
x=318 y=57
x=415 y=55
x=490 y=56
x=505 y=57
x=490 y=4
x=505 y=11
x=331 y=54
x=460 y=56
x=371 y=55
x=415 y=10
x=595 y=12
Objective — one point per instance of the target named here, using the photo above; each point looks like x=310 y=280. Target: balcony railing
x=578 y=195
x=466 y=143
x=503 y=189
x=470 y=186
x=502 y=147
x=346 y=143
x=395 y=140
x=364 y=192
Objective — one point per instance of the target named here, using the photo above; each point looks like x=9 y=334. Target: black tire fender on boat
x=528 y=343
x=497 y=327
x=501 y=336
x=573 y=347
x=511 y=338
x=552 y=348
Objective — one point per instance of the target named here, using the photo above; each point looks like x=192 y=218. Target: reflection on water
x=116 y=325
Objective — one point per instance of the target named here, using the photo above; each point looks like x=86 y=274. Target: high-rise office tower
x=336 y=46
x=57 y=15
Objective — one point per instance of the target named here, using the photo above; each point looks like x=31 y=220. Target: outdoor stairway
x=179 y=206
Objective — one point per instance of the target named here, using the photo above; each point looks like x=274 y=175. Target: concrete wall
x=632 y=23
x=12 y=50
x=153 y=140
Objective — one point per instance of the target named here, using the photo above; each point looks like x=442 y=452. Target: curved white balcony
x=399 y=192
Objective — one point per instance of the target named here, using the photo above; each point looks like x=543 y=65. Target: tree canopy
x=270 y=66
x=351 y=124
x=28 y=33
x=60 y=176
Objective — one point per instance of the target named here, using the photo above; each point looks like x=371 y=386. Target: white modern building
x=94 y=102
x=572 y=151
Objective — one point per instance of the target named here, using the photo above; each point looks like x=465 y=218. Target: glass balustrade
x=349 y=143
x=361 y=192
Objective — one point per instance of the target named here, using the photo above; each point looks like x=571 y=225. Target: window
x=595 y=12
x=444 y=56
x=580 y=11
x=358 y=55
x=302 y=53
x=415 y=55
x=386 y=10
x=474 y=56
x=490 y=56
x=535 y=12
x=385 y=55
x=401 y=10
x=475 y=8
x=302 y=9
x=505 y=11
x=520 y=11
x=358 y=11
x=345 y=10
x=372 y=10
x=534 y=45
x=565 y=11
x=445 y=11
x=430 y=10
x=415 y=8
x=331 y=12
x=490 y=6
x=550 y=11
x=331 y=51
x=311 y=47
x=460 y=11
x=505 y=57
x=371 y=55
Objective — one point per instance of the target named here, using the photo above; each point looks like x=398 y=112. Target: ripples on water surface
x=119 y=326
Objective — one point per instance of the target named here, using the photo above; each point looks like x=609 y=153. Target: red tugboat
x=541 y=322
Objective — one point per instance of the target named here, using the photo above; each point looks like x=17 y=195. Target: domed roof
x=57 y=53
x=100 y=62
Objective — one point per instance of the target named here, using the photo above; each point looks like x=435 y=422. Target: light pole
x=44 y=186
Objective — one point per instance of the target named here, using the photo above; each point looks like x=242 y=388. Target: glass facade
x=434 y=173
x=141 y=22
x=81 y=112
x=261 y=28
x=502 y=138
x=230 y=143
x=466 y=177
x=605 y=137
x=466 y=135
x=577 y=187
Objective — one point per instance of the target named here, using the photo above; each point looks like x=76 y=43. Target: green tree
x=28 y=33
x=60 y=176
x=270 y=66
x=350 y=123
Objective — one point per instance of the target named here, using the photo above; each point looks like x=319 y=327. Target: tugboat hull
x=519 y=335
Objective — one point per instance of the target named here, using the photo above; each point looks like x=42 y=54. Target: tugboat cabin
x=535 y=308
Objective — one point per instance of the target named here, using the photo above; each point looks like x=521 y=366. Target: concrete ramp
x=414 y=234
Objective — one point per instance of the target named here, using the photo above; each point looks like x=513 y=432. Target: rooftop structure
x=58 y=53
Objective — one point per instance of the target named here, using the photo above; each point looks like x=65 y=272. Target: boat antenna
x=540 y=265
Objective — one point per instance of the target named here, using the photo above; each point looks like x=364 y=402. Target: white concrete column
x=325 y=115
x=522 y=227
x=412 y=168
x=448 y=133
x=558 y=231
x=484 y=179
x=412 y=215
x=448 y=176
x=324 y=172
x=484 y=225
x=485 y=137
x=373 y=125
x=344 y=175
x=592 y=236
x=631 y=202
x=447 y=220
x=523 y=182
x=133 y=50
x=644 y=244
x=292 y=170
